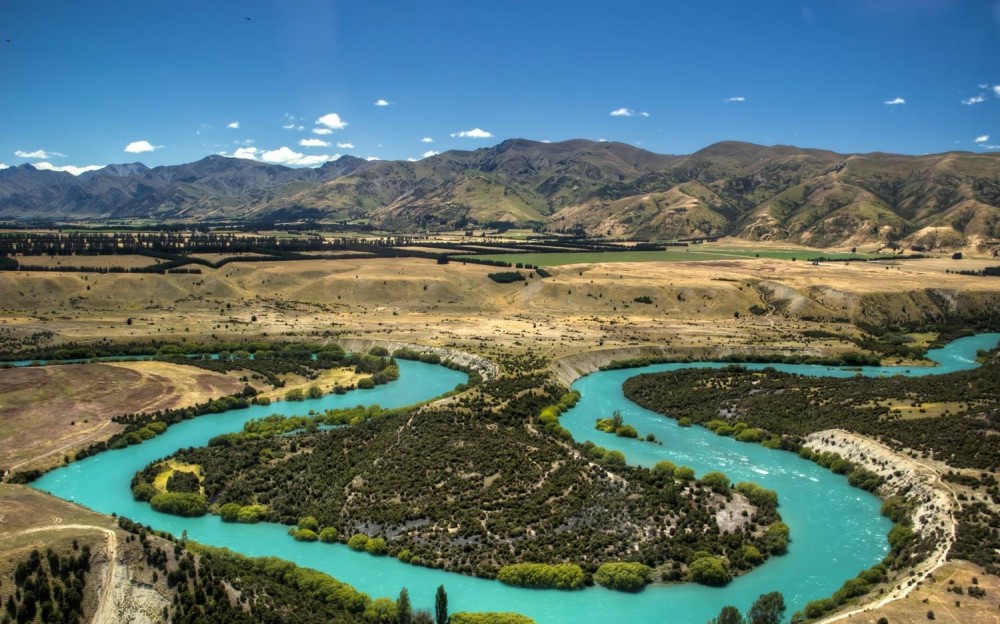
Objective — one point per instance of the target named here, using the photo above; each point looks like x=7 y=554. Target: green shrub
x=623 y=575
x=180 y=504
x=709 y=571
x=715 y=481
x=230 y=512
x=309 y=522
x=143 y=492
x=358 y=541
x=305 y=535
x=366 y=383
x=684 y=473
x=328 y=535
x=541 y=575
x=375 y=546
x=495 y=617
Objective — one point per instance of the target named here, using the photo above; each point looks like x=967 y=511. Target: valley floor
x=582 y=317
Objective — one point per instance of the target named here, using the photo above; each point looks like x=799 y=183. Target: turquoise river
x=836 y=529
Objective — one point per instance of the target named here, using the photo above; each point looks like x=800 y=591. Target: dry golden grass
x=127 y=261
x=948 y=607
x=49 y=411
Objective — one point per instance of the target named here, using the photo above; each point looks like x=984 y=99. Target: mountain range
x=809 y=196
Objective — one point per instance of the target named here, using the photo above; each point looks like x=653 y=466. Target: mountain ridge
x=781 y=192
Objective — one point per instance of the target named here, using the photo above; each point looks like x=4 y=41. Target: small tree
x=441 y=606
x=728 y=615
x=768 y=609
x=616 y=420
x=404 y=607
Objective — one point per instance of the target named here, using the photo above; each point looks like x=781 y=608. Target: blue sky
x=80 y=83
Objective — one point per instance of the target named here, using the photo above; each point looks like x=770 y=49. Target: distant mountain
x=808 y=196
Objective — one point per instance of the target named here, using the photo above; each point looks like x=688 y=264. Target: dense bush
x=489 y=618
x=180 y=504
x=623 y=575
x=540 y=575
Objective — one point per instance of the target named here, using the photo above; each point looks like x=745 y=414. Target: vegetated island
x=488 y=485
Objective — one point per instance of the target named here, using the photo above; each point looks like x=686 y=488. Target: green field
x=688 y=254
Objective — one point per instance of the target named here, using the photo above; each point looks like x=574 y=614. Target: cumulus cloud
x=426 y=140
x=627 y=112
x=738 y=98
x=371 y=158
x=314 y=143
x=322 y=131
x=288 y=156
x=345 y=145
x=982 y=138
x=976 y=99
x=45 y=166
x=250 y=153
x=3 y=166
x=996 y=90
x=235 y=125
x=895 y=101
x=430 y=153
x=332 y=121
x=475 y=133
x=138 y=147
x=411 y=159
x=381 y=102
x=38 y=154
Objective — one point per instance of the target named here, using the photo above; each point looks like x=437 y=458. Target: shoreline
x=934 y=512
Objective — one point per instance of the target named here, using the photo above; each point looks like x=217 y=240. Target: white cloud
x=371 y=158
x=381 y=102
x=67 y=168
x=426 y=140
x=345 y=145
x=235 y=125
x=623 y=112
x=322 y=131
x=982 y=138
x=546 y=140
x=138 y=147
x=38 y=154
x=430 y=153
x=996 y=90
x=290 y=126
x=4 y=166
x=644 y=114
x=475 y=133
x=250 y=153
x=287 y=156
x=976 y=99
x=332 y=121
x=895 y=101
x=314 y=143
x=411 y=159
x=738 y=98
x=602 y=140
x=982 y=85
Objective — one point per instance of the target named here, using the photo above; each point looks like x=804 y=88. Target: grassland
x=700 y=306
x=49 y=411
x=680 y=254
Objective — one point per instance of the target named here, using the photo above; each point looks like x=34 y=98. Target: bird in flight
x=247 y=18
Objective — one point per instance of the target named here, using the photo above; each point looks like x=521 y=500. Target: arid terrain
x=581 y=317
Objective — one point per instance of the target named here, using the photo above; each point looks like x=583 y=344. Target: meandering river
x=836 y=530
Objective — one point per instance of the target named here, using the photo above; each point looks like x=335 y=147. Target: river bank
x=933 y=514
